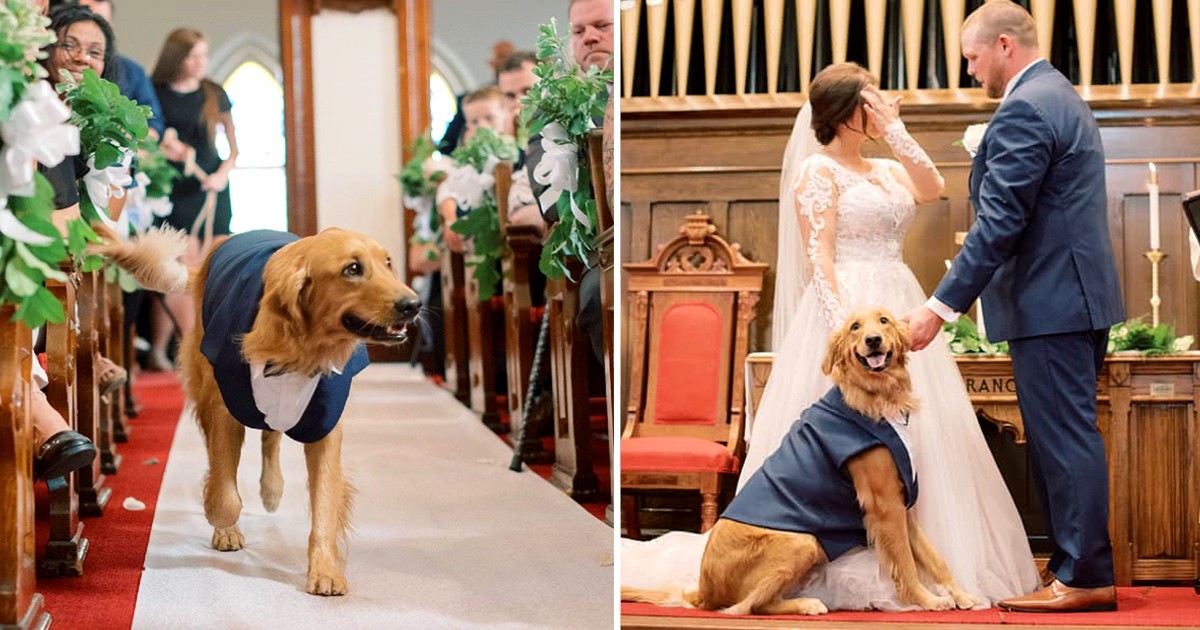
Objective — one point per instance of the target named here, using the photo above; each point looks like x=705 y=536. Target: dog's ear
x=283 y=290
x=835 y=352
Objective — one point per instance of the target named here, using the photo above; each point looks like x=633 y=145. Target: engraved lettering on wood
x=993 y=385
x=1162 y=389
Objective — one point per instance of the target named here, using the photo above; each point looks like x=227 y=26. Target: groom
x=1039 y=252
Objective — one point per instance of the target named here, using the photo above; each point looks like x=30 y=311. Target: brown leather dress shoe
x=1058 y=597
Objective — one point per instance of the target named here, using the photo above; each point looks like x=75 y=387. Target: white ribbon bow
x=104 y=185
x=467 y=185
x=141 y=209
x=559 y=170
x=37 y=130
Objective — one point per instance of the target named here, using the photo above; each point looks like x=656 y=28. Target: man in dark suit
x=1040 y=254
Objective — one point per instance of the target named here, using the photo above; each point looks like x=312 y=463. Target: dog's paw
x=810 y=606
x=965 y=601
x=326 y=584
x=936 y=602
x=228 y=539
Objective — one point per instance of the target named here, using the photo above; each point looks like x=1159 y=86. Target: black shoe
x=65 y=452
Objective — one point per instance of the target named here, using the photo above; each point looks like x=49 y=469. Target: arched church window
x=258 y=186
x=443 y=105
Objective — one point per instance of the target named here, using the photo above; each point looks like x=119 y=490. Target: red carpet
x=104 y=597
x=1137 y=606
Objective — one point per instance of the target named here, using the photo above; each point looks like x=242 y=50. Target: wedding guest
x=483 y=108
x=132 y=79
x=515 y=79
x=193 y=108
x=591 y=46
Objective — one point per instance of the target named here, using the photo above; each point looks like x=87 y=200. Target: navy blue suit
x=1039 y=252
x=804 y=486
x=231 y=297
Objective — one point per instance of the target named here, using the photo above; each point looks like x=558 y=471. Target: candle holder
x=1155 y=256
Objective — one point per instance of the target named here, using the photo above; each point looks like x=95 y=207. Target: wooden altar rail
x=1147 y=414
x=790 y=33
x=722 y=155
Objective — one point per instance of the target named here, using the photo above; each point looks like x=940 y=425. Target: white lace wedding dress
x=963 y=504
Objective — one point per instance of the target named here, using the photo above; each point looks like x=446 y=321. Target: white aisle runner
x=445 y=535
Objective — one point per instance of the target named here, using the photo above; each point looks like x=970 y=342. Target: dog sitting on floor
x=280 y=322
x=842 y=478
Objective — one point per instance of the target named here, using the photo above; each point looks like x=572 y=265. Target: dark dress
x=185 y=113
x=804 y=486
x=231 y=296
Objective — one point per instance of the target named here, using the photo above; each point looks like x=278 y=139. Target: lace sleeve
x=905 y=148
x=816 y=205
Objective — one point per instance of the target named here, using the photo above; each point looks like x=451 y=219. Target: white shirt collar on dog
x=282 y=398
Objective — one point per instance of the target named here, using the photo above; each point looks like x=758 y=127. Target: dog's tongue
x=876 y=361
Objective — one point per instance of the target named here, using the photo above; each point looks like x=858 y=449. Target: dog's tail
x=152 y=259
x=662 y=597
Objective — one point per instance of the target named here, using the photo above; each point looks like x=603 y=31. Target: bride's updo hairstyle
x=835 y=94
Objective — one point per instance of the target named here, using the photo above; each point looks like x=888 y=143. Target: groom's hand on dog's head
x=923 y=326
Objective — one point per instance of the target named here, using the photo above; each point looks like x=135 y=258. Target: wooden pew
x=454 y=325
x=601 y=187
x=522 y=249
x=20 y=605
x=116 y=345
x=93 y=496
x=67 y=548
x=570 y=353
x=484 y=323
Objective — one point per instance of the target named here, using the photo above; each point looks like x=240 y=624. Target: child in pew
x=484 y=108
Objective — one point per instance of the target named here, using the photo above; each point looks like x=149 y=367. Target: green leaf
x=17 y=280
x=37 y=263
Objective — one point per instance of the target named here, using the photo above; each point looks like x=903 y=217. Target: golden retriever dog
x=321 y=296
x=747 y=569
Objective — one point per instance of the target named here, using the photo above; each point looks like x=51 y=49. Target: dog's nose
x=873 y=341
x=407 y=308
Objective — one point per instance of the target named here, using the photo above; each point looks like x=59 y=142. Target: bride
x=842 y=220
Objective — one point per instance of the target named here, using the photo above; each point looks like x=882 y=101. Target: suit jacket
x=133 y=84
x=804 y=487
x=231 y=297
x=1039 y=251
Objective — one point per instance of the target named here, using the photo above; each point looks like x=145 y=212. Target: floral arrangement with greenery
x=418 y=182
x=34 y=126
x=562 y=107
x=964 y=338
x=473 y=186
x=1135 y=335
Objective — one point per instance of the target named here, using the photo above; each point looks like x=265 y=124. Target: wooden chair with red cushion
x=691 y=309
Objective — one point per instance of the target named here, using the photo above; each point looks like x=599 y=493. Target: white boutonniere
x=972 y=137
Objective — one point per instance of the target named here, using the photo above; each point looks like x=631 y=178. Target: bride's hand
x=883 y=110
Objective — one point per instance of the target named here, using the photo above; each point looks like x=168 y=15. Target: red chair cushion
x=689 y=364
x=536 y=313
x=676 y=454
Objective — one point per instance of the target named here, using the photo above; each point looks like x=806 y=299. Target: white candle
x=979 y=319
x=1152 y=188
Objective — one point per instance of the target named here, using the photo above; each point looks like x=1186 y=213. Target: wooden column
x=20 y=605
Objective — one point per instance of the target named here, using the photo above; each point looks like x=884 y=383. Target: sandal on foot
x=111 y=376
